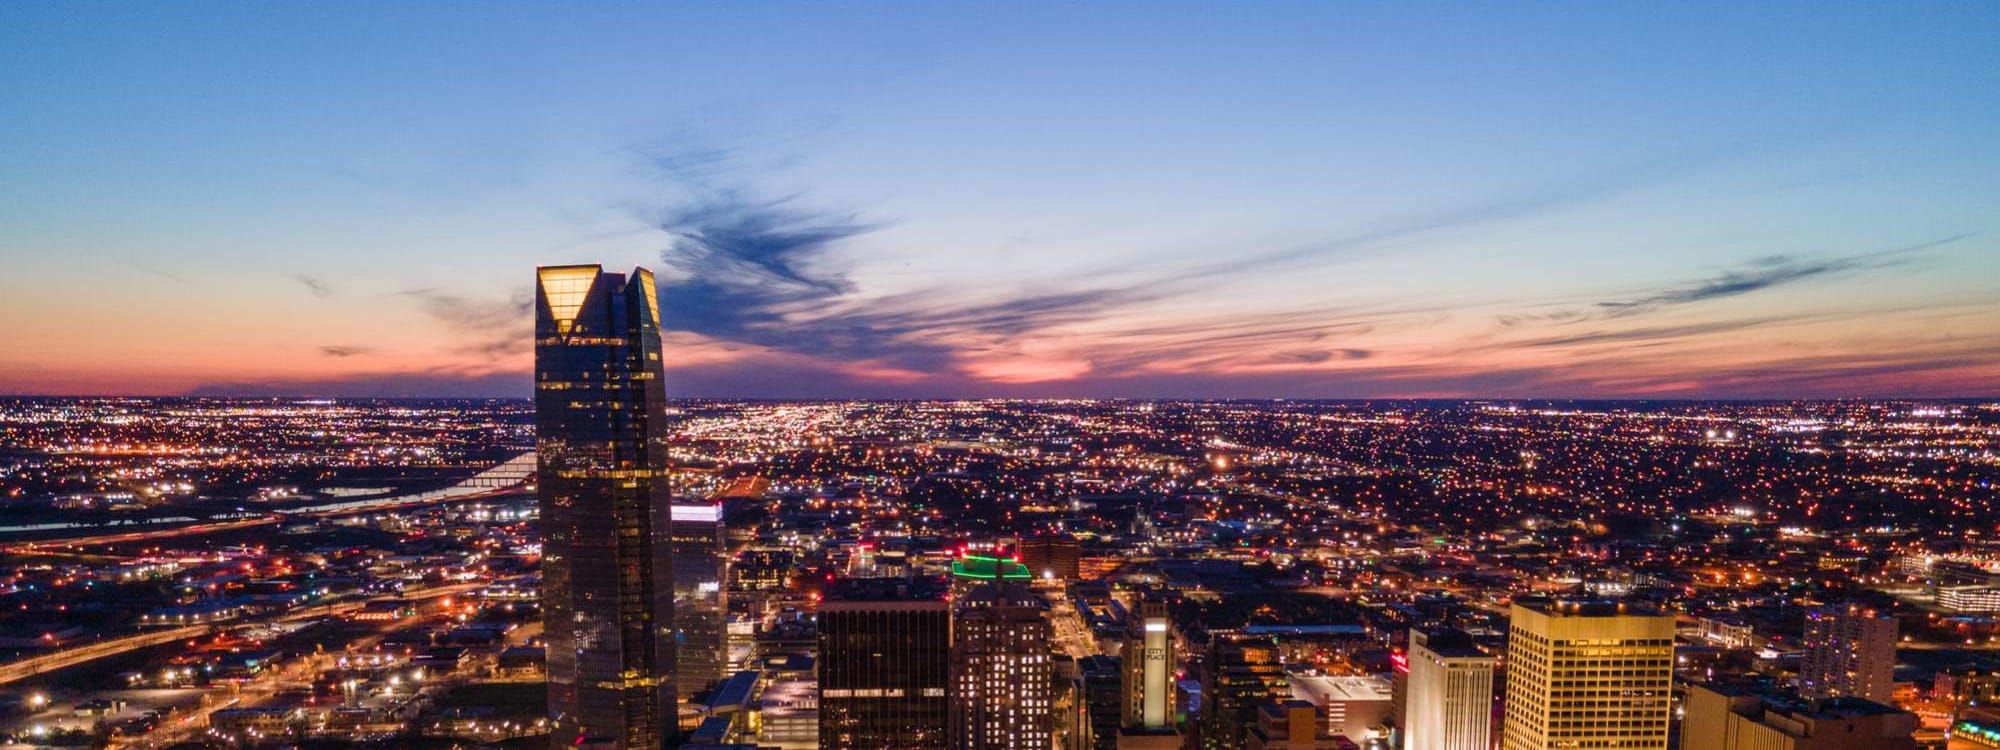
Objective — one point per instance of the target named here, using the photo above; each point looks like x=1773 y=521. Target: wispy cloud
x=1765 y=273
x=315 y=285
x=1530 y=201
x=345 y=351
x=767 y=272
x=490 y=328
x=1649 y=334
x=160 y=272
x=747 y=261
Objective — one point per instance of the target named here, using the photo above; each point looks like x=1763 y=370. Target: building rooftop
x=788 y=698
x=1322 y=689
x=886 y=590
x=984 y=568
x=1555 y=607
x=1452 y=643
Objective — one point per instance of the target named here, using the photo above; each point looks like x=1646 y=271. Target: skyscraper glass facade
x=607 y=571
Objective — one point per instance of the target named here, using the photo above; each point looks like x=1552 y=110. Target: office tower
x=1292 y=725
x=1054 y=558
x=1751 y=717
x=1449 y=705
x=1104 y=691
x=1239 y=674
x=1593 y=674
x=884 y=656
x=701 y=609
x=1148 y=658
x=1147 y=661
x=1849 y=652
x=1003 y=680
x=607 y=571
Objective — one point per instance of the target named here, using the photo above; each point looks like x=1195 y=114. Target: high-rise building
x=1103 y=691
x=1002 y=676
x=1748 y=717
x=701 y=609
x=1147 y=660
x=1072 y=704
x=884 y=664
x=1053 y=558
x=1239 y=674
x=1449 y=705
x=1587 y=674
x=1849 y=652
x=607 y=570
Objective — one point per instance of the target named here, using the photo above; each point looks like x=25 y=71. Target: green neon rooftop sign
x=986 y=568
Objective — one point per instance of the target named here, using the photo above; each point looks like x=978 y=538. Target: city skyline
x=250 y=574
x=1351 y=201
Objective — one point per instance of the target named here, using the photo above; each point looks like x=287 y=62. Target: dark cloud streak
x=1764 y=273
x=492 y=328
x=317 y=286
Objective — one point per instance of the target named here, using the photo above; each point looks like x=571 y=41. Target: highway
x=69 y=657
x=140 y=536
x=41 y=545
x=300 y=672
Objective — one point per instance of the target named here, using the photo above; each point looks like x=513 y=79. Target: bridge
x=510 y=473
x=502 y=477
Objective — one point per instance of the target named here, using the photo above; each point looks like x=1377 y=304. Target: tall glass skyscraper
x=607 y=570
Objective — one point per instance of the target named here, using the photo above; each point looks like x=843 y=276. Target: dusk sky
x=1307 y=200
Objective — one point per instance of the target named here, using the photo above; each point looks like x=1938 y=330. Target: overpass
x=499 y=479
x=70 y=657
x=15 y=671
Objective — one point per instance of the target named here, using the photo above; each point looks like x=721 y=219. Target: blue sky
x=1289 y=199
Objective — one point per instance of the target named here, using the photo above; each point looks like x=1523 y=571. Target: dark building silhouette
x=1240 y=674
x=884 y=664
x=1052 y=557
x=607 y=571
x=1103 y=689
